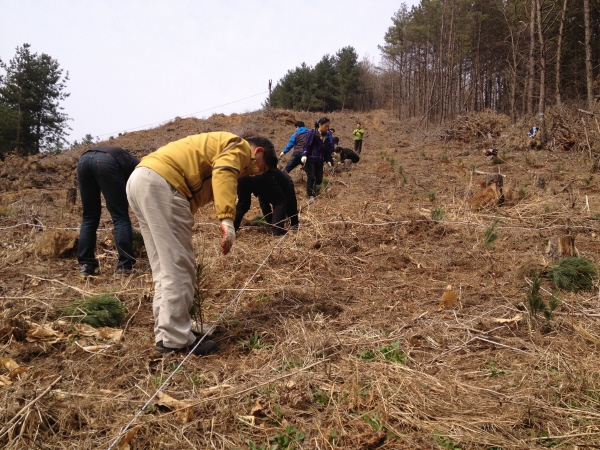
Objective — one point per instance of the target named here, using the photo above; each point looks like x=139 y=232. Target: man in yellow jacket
x=165 y=191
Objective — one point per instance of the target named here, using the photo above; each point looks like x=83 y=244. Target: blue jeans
x=98 y=173
x=293 y=162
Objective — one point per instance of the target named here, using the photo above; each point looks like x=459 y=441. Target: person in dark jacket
x=266 y=187
x=296 y=144
x=105 y=170
x=287 y=186
x=317 y=151
x=347 y=155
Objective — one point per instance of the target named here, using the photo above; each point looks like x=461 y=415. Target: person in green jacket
x=358 y=133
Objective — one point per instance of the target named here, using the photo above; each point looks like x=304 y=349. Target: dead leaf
x=9 y=363
x=5 y=381
x=448 y=299
x=257 y=409
x=110 y=334
x=182 y=410
x=43 y=333
x=103 y=333
x=514 y=319
x=83 y=329
x=18 y=371
x=125 y=440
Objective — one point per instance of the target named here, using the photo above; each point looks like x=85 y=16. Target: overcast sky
x=135 y=64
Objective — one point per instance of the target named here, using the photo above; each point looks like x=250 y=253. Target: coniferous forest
x=449 y=57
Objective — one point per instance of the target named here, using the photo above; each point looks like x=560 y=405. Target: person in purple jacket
x=317 y=151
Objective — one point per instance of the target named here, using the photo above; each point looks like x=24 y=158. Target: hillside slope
x=373 y=326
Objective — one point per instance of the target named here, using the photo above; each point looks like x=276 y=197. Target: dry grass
x=302 y=360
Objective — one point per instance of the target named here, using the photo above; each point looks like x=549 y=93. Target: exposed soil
x=392 y=319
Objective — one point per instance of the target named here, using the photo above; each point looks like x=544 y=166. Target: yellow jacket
x=205 y=167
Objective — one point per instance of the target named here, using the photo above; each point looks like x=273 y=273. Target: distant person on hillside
x=296 y=143
x=317 y=151
x=165 y=191
x=358 y=133
x=104 y=170
x=347 y=156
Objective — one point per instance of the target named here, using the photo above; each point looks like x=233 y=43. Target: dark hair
x=336 y=140
x=332 y=130
x=299 y=123
x=270 y=155
x=358 y=123
x=321 y=121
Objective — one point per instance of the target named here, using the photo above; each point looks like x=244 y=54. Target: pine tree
x=346 y=63
x=31 y=118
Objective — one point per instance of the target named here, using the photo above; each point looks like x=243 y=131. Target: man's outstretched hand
x=227 y=235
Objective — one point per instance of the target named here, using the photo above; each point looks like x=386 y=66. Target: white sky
x=135 y=64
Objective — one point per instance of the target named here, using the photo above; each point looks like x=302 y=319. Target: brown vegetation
x=391 y=319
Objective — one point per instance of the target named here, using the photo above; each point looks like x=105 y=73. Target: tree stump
x=560 y=247
x=71 y=198
x=496 y=178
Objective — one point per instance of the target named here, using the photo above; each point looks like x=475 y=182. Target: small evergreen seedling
x=100 y=311
x=573 y=274
x=437 y=214
x=536 y=302
x=490 y=235
x=258 y=221
x=137 y=242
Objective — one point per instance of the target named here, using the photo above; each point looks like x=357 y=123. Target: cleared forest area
x=398 y=316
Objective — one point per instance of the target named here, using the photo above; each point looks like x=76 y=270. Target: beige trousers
x=166 y=224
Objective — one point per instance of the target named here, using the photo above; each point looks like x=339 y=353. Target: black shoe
x=204 y=348
x=87 y=270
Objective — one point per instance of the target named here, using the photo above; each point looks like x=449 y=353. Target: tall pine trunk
x=542 y=102
x=559 y=53
x=589 y=71
x=530 y=83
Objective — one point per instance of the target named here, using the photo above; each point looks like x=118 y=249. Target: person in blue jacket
x=296 y=143
x=317 y=151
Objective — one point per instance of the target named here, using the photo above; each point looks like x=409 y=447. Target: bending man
x=165 y=191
